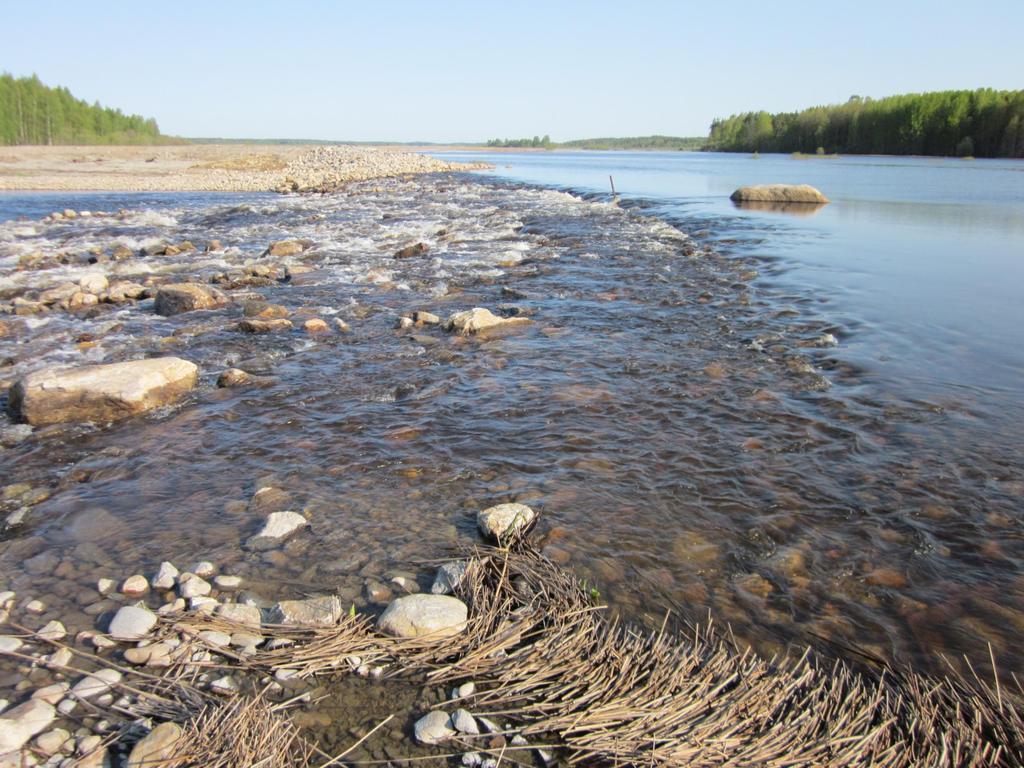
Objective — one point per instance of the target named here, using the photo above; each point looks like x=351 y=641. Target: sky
x=469 y=71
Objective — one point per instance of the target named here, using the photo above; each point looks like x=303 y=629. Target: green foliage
x=985 y=123
x=536 y=142
x=33 y=113
x=640 y=142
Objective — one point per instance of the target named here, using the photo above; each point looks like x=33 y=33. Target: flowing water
x=677 y=409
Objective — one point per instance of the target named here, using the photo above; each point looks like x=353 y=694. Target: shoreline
x=207 y=167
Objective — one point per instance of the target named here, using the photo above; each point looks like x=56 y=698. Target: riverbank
x=208 y=167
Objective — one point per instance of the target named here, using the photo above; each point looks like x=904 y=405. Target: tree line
x=980 y=123
x=33 y=113
x=639 y=142
x=536 y=142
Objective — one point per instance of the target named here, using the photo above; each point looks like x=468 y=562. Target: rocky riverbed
x=374 y=366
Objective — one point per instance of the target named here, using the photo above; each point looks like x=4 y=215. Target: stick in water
x=612 y=182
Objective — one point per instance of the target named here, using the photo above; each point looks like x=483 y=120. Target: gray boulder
x=423 y=615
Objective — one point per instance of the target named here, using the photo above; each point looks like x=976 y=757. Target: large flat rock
x=422 y=615
x=779 y=193
x=101 y=392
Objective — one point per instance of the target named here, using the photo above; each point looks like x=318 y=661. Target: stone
x=101 y=392
x=96 y=684
x=341 y=325
x=411 y=251
x=479 y=319
x=434 y=728
x=215 y=638
x=464 y=722
x=449 y=577
x=166 y=576
x=105 y=586
x=214 y=245
x=779 y=193
x=9 y=644
x=204 y=568
x=21 y=723
x=285 y=248
x=52 y=694
x=311 y=612
x=51 y=742
x=203 y=604
x=157 y=746
x=224 y=685
x=234 y=377
x=466 y=689
x=316 y=325
x=94 y=283
x=135 y=586
x=53 y=631
x=264 y=310
x=178 y=298
x=35 y=606
x=253 y=325
x=278 y=527
x=240 y=613
x=227 y=583
x=423 y=615
x=501 y=521
x=190 y=585
x=426 y=318
x=132 y=622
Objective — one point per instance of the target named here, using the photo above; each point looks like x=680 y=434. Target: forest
x=33 y=113
x=980 y=123
x=639 y=142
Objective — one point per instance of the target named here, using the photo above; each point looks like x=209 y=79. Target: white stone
x=464 y=722
x=156 y=747
x=501 y=521
x=479 y=319
x=423 y=615
x=96 y=684
x=53 y=631
x=166 y=575
x=190 y=585
x=278 y=527
x=311 y=612
x=21 y=723
x=52 y=694
x=132 y=622
x=215 y=638
x=35 y=606
x=105 y=586
x=9 y=644
x=94 y=283
x=59 y=658
x=204 y=568
x=7 y=598
x=227 y=583
x=203 y=604
x=169 y=609
x=434 y=728
x=224 y=685
x=51 y=742
x=240 y=614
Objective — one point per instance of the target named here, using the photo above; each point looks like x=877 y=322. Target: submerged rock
x=132 y=622
x=285 y=248
x=21 y=723
x=479 y=319
x=188 y=297
x=278 y=527
x=255 y=325
x=503 y=520
x=101 y=392
x=411 y=251
x=312 y=612
x=156 y=747
x=423 y=615
x=779 y=193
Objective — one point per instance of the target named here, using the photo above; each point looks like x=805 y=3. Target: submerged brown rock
x=779 y=193
x=188 y=297
x=101 y=392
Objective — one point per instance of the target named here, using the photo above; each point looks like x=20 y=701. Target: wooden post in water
x=612 y=182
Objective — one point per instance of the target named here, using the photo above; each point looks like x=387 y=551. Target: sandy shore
x=207 y=167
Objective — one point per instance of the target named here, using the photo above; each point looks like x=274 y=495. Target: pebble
x=312 y=612
x=52 y=742
x=434 y=728
x=105 y=586
x=191 y=585
x=224 y=685
x=135 y=586
x=96 y=684
x=166 y=576
x=240 y=613
x=449 y=577
x=224 y=582
x=52 y=694
x=53 y=631
x=24 y=721
x=202 y=604
x=9 y=644
x=204 y=568
x=463 y=722
x=132 y=623
x=35 y=606
x=215 y=638
x=464 y=690
x=169 y=609
x=156 y=746
x=59 y=658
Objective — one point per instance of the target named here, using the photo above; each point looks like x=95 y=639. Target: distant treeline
x=541 y=142
x=981 y=123
x=639 y=142
x=33 y=113
x=629 y=142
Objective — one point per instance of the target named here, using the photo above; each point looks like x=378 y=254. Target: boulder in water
x=101 y=392
x=779 y=193
x=188 y=297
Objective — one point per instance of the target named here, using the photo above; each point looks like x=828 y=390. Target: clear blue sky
x=468 y=71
